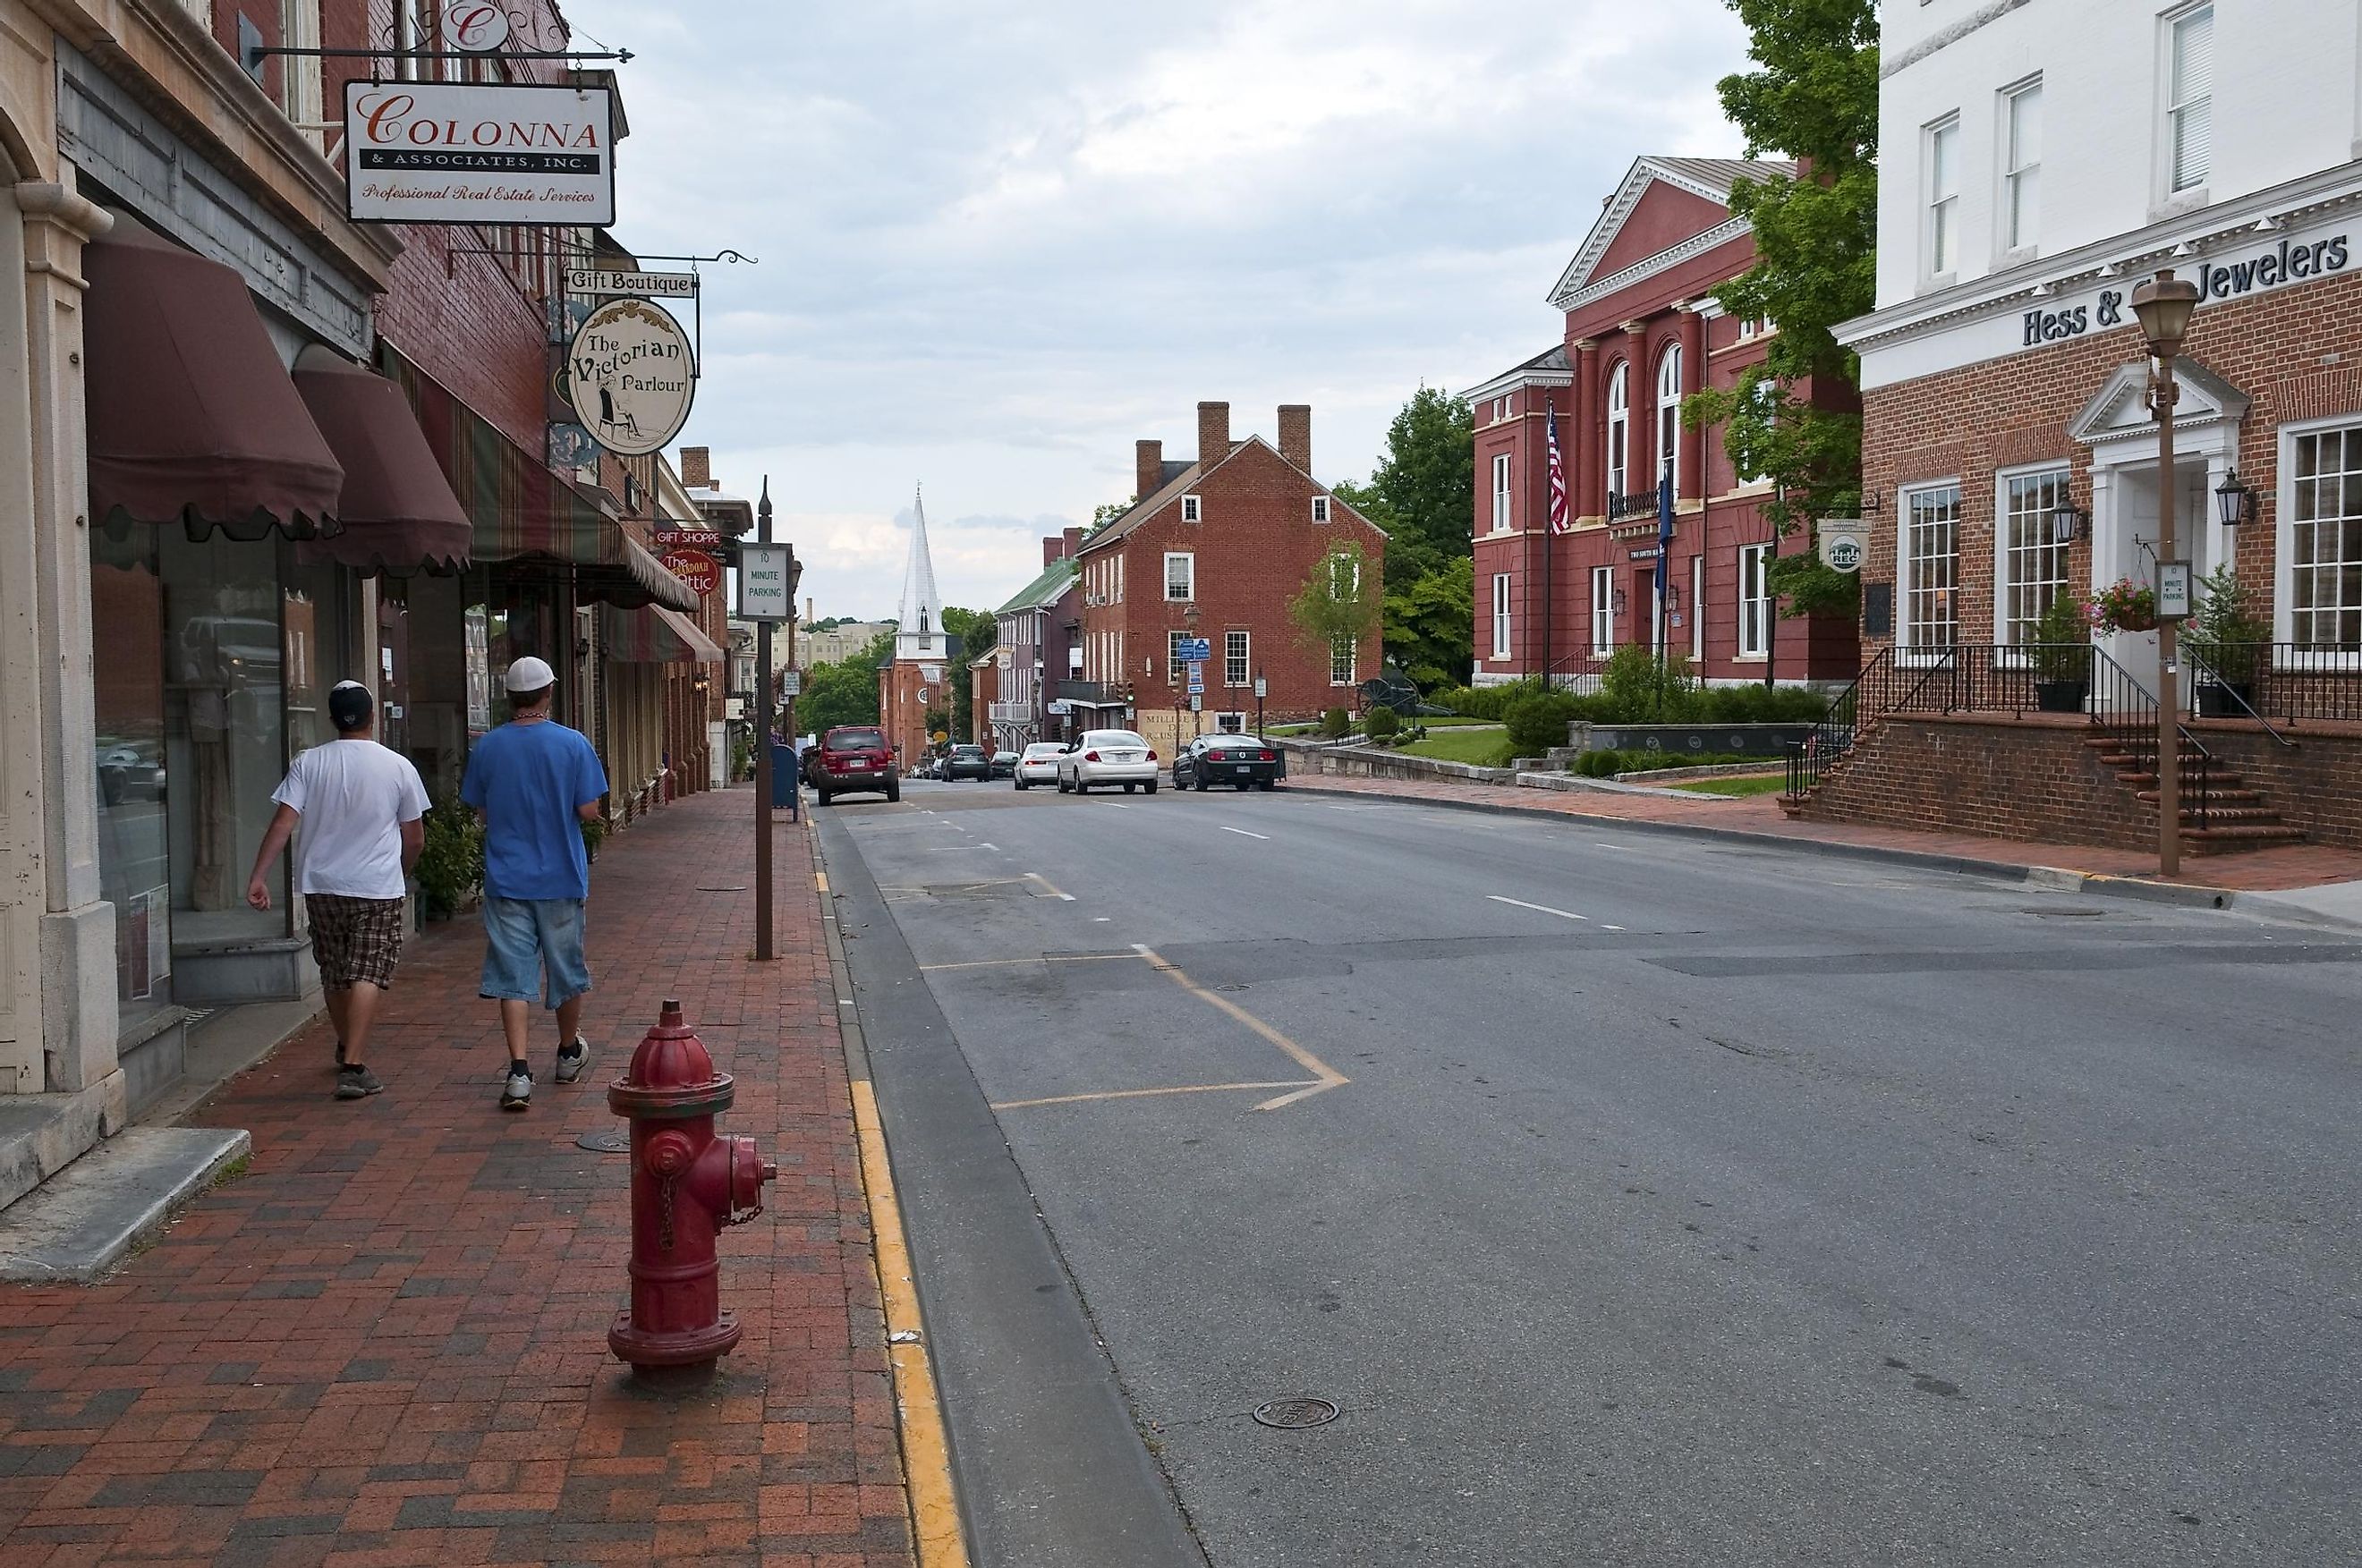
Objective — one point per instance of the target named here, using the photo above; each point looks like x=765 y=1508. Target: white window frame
x=1336 y=558
x=1320 y=508
x=1907 y=587
x=1501 y=626
x=1669 y=412
x=1118 y=579
x=2180 y=105
x=1343 y=657
x=2020 y=200
x=2023 y=498
x=1753 y=607
x=1503 y=509
x=1619 y=429
x=1939 y=198
x=1192 y=508
x=1238 y=655
x=1603 y=611
x=1188 y=594
x=1175 y=669
x=301 y=89
x=2284 y=568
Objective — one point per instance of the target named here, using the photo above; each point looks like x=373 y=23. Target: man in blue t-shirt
x=533 y=781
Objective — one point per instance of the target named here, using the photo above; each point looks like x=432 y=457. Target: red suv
x=853 y=757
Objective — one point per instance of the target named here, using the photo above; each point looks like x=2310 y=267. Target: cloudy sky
x=999 y=240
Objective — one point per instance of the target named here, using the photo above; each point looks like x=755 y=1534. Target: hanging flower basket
x=2124 y=605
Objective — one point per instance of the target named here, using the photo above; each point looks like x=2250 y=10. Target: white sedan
x=1039 y=764
x=1106 y=757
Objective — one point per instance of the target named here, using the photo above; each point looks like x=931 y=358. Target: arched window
x=1669 y=413
x=1619 y=427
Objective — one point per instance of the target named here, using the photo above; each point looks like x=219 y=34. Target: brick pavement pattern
x=386 y=1343
x=2289 y=866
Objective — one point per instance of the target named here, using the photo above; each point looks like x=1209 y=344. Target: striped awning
x=521 y=509
x=655 y=636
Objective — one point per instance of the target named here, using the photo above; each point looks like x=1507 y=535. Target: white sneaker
x=572 y=1060
x=517 y=1094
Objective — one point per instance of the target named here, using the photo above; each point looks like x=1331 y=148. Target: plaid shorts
x=355 y=939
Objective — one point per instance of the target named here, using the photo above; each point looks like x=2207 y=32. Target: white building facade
x=2039 y=160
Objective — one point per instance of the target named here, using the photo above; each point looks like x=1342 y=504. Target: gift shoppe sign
x=435 y=152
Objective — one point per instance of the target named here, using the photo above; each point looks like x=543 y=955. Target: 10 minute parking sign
x=763 y=583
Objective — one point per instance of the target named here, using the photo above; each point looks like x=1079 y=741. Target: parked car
x=1039 y=764
x=967 y=762
x=1004 y=765
x=128 y=768
x=1240 y=761
x=851 y=757
x=1106 y=757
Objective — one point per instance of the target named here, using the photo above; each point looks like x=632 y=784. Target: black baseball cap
x=349 y=705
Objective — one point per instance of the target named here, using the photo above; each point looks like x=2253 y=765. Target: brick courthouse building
x=1639 y=334
x=2030 y=182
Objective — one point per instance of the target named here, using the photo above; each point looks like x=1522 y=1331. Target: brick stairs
x=2237 y=816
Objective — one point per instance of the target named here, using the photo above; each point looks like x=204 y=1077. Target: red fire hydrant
x=687 y=1183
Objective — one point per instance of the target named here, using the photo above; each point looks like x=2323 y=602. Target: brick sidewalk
x=385 y=1345
x=2281 y=867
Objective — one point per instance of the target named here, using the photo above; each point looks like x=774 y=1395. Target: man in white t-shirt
x=360 y=806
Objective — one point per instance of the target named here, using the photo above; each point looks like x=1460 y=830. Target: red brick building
x=1641 y=333
x=1216 y=547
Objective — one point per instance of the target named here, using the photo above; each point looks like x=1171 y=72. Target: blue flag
x=1664 y=537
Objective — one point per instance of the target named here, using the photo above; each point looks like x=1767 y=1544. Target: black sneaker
x=355 y=1082
x=516 y=1093
x=572 y=1060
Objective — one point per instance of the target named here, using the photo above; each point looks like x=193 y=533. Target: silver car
x=1107 y=756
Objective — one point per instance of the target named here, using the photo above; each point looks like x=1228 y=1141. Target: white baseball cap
x=530 y=674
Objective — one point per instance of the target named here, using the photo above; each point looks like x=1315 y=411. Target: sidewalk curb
x=936 y=1525
x=2053 y=878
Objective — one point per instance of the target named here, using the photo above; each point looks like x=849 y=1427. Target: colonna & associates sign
x=436 y=152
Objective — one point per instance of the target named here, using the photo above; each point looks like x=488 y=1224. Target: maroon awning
x=399 y=514
x=191 y=416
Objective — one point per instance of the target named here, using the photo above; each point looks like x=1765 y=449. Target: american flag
x=1559 y=521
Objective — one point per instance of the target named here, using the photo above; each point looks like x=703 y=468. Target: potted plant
x=2227 y=641
x=2060 y=639
x=2124 y=605
x=451 y=862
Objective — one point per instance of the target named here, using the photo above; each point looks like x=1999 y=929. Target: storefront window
x=2325 y=541
x=1931 y=557
x=225 y=731
x=2034 y=561
x=319 y=648
x=134 y=863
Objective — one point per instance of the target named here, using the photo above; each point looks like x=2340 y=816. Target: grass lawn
x=1454 y=721
x=1771 y=783
x=1485 y=748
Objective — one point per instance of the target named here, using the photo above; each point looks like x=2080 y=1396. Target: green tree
x=1428 y=626
x=1423 y=492
x=1107 y=513
x=979 y=633
x=843 y=693
x=1794 y=419
x=1340 y=603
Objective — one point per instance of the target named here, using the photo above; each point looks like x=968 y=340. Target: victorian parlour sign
x=630 y=374
x=438 y=152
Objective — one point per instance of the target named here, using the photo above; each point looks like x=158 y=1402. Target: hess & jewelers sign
x=630 y=375
x=434 y=152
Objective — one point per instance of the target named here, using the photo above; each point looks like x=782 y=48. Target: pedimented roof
x=1710 y=179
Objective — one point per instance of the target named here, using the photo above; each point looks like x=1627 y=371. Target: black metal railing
x=2126 y=714
x=1578 y=672
x=2295 y=683
x=1882 y=684
x=1637 y=503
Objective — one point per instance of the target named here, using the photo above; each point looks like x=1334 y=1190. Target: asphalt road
x=1683 y=1203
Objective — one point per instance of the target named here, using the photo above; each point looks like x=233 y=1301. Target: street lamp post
x=763 y=752
x=2164 y=305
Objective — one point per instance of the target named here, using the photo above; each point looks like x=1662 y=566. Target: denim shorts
x=523 y=935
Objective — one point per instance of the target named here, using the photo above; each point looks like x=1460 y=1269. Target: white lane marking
x=1102 y=919
x=1542 y=909
x=1048 y=887
x=1244 y=834
x=994 y=848
x=1611 y=927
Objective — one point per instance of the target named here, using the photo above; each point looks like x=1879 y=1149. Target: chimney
x=1296 y=434
x=1054 y=548
x=697 y=467
x=1074 y=543
x=1147 y=468
x=811 y=610
x=1213 y=432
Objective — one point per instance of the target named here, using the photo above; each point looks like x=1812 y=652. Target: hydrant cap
x=671 y=1055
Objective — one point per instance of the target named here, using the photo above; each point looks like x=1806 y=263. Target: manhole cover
x=616 y=1140
x=1290 y=1415
x=721 y=887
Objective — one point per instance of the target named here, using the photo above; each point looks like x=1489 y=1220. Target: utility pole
x=763 y=751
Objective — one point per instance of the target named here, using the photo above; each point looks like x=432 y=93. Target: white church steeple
x=920 y=632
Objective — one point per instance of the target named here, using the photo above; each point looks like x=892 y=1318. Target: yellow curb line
x=926 y=1453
